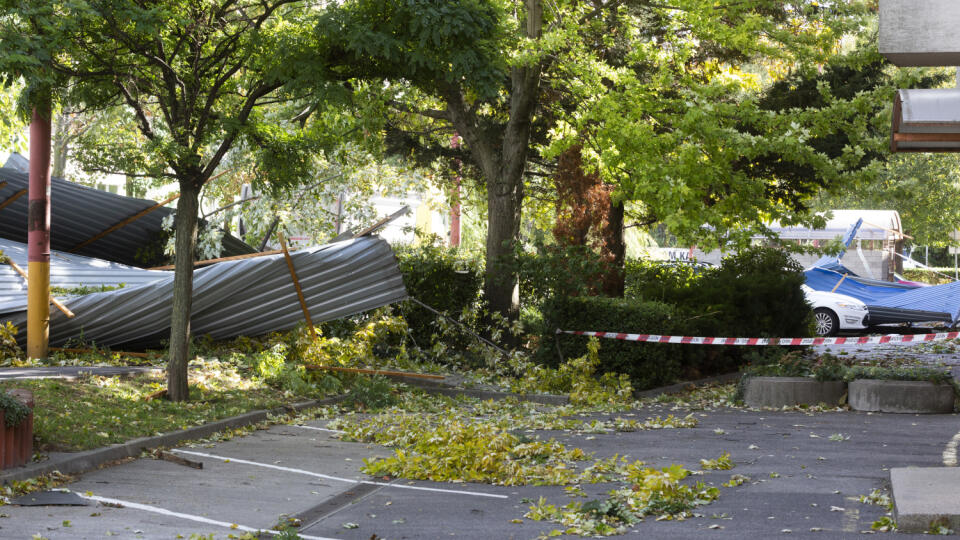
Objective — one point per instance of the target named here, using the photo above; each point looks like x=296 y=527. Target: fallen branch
x=84 y=351
x=377 y=372
x=173 y=458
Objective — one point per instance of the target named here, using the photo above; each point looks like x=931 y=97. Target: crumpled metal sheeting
x=78 y=212
x=246 y=297
x=67 y=271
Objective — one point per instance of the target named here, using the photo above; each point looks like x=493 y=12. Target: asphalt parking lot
x=806 y=470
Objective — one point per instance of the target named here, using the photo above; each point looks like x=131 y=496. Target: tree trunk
x=616 y=247
x=186 y=242
x=61 y=146
x=501 y=286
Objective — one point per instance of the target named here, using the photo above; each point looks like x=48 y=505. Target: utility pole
x=38 y=234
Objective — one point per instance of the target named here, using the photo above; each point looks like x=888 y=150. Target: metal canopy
x=78 y=213
x=920 y=32
x=926 y=120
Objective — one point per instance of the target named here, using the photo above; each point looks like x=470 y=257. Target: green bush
x=662 y=281
x=374 y=392
x=446 y=279
x=755 y=293
x=553 y=270
x=647 y=364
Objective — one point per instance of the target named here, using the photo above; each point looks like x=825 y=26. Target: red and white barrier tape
x=692 y=340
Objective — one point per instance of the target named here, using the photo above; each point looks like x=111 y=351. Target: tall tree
x=661 y=97
x=191 y=76
x=473 y=65
x=665 y=102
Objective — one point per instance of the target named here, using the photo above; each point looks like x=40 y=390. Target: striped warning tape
x=693 y=340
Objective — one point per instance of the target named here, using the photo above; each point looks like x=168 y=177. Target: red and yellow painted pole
x=38 y=236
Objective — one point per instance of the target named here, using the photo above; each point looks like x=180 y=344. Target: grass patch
x=94 y=411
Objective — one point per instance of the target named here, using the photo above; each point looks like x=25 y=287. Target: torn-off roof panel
x=67 y=271
x=243 y=297
x=78 y=213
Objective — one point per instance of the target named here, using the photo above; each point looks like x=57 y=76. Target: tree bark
x=614 y=280
x=501 y=284
x=186 y=241
x=61 y=146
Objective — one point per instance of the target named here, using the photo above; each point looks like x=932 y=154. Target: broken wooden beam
x=66 y=311
x=296 y=284
x=12 y=198
x=123 y=223
x=224 y=259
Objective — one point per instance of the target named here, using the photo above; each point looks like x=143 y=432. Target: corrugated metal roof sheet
x=245 y=297
x=77 y=213
x=68 y=271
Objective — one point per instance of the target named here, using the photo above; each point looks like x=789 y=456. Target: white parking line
x=189 y=517
x=337 y=478
x=318 y=428
x=950 y=454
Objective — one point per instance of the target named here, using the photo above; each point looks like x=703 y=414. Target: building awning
x=919 y=32
x=926 y=120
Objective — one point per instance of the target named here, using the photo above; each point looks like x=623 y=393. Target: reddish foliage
x=587 y=216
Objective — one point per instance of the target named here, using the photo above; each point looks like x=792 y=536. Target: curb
x=681 y=386
x=89 y=460
x=904 y=397
x=553 y=399
x=779 y=392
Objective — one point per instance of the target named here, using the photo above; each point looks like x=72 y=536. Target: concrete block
x=791 y=391
x=901 y=396
x=922 y=496
x=920 y=32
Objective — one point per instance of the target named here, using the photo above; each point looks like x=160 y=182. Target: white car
x=833 y=312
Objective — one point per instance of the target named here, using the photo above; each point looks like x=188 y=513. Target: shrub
x=647 y=364
x=443 y=278
x=374 y=392
x=662 y=281
x=8 y=342
x=553 y=270
x=14 y=411
x=754 y=293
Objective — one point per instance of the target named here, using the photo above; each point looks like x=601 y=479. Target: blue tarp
x=937 y=298
x=828 y=271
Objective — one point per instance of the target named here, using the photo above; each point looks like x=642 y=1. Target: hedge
x=648 y=364
x=443 y=278
x=755 y=293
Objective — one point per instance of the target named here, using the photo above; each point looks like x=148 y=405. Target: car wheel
x=826 y=322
